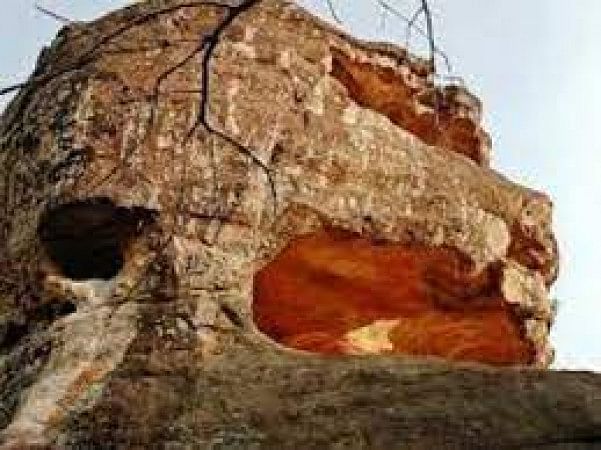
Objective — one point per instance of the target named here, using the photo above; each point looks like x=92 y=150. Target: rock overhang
x=365 y=134
x=351 y=152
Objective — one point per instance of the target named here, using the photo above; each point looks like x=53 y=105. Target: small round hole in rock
x=86 y=239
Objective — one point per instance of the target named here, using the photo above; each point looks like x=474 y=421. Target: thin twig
x=431 y=37
x=411 y=25
x=333 y=12
x=62 y=19
x=12 y=88
x=163 y=76
x=88 y=56
x=414 y=17
x=211 y=42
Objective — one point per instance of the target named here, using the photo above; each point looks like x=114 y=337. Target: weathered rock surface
x=171 y=283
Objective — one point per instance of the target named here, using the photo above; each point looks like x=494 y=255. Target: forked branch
x=206 y=46
x=412 y=25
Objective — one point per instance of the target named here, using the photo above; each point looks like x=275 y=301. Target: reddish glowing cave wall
x=436 y=117
x=325 y=285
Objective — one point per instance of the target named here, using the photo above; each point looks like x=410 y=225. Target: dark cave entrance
x=87 y=239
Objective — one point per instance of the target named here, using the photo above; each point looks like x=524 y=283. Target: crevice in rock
x=21 y=366
x=87 y=239
x=335 y=292
x=445 y=117
x=526 y=249
x=40 y=317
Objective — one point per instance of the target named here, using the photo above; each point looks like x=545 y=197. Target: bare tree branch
x=89 y=55
x=414 y=17
x=12 y=88
x=333 y=12
x=412 y=26
x=163 y=76
x=210 y=43
x=206 y=46
x=425 y=8
x=53 y=15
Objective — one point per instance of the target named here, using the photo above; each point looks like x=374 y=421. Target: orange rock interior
x=383 y=90
x=335 y=292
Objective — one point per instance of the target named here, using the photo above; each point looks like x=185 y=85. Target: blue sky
x=535 y=64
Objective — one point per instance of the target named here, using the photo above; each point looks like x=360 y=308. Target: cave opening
x=87 y=239
x=335 y=293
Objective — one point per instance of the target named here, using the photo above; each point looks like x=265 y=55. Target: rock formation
x=236 y=227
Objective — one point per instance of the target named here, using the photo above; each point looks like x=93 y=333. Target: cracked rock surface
x=295 y=242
